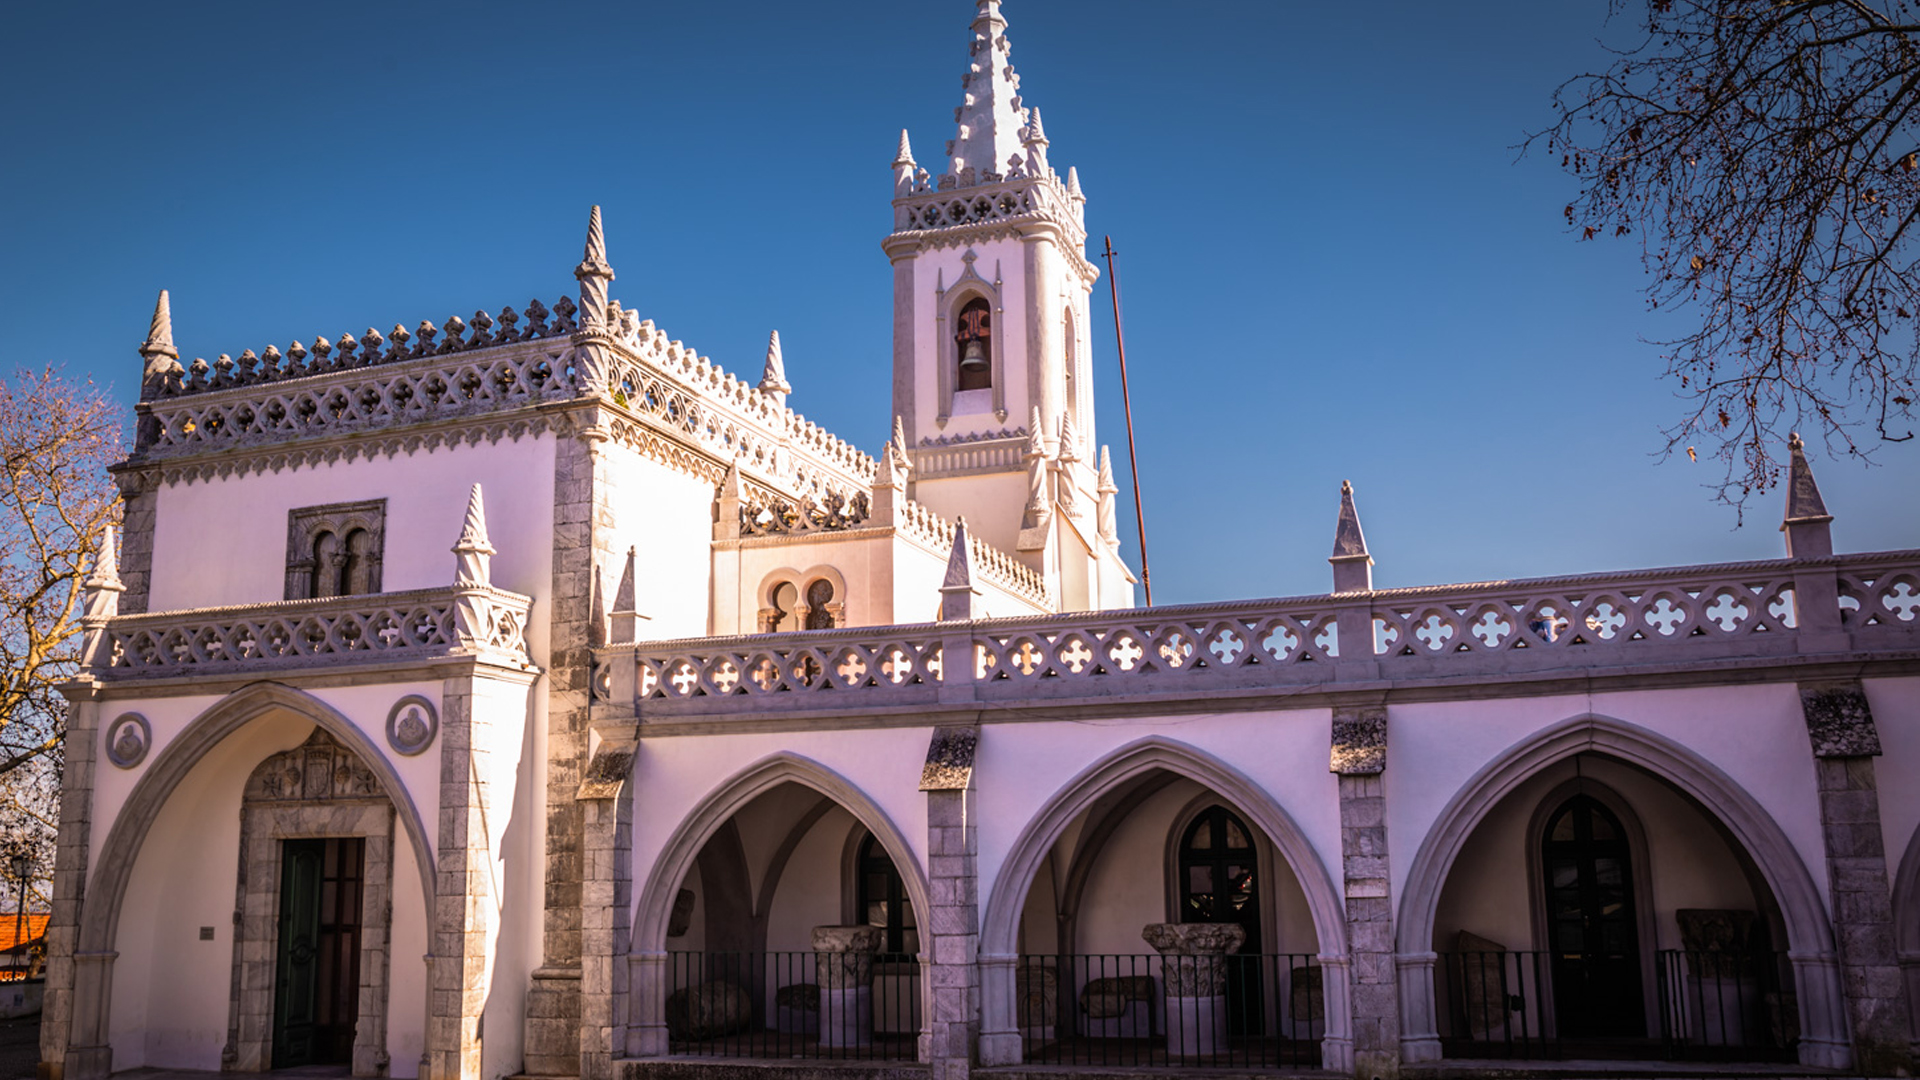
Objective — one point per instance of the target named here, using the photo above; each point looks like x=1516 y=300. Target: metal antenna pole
x=1126 y=398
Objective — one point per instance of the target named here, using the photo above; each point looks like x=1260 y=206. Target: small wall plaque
x=412 y=724
x=206 y=933
x=128 y=739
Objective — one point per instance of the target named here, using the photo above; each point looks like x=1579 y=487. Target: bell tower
x=991 y=291
x=992 y=383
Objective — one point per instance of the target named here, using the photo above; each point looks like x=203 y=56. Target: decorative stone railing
x=359 y=399
x=382 y=627
x=1003 y=452
x=1493 y=630
x=993 y=565
x=729 y=416
x=959 y=201
x=373 y=348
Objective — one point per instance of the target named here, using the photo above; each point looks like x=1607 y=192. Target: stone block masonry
x=1845 y=742
x=1358 y=758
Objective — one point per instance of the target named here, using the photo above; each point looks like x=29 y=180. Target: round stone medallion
x=128 y=739
x=412 y=724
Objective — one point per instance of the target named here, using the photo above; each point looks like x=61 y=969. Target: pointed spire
x=624 y=616
x=1109 y=509
x=106 y=568
x=160 y=331
x=474 y=553
x=1803 y=495
x=594 y=274
x=1036 y=435
x=161 y=361
x=989 y=122
x=1073 y=184
x=1807 y=524
x=956 y=589
x=1036 y=133
x=1069 y=439
x=903 y=157
x=773 y=379
x=100 y=595
x=727 y=520
x=1352 y=566
x=900 y=433
x=1038 y=513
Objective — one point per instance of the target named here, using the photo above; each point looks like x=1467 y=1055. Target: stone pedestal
x=843 y=958
x=1194 y=970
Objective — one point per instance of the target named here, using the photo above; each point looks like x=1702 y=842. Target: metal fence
x=776 y=1005
x=1702 y=1005
x=1115 y=1009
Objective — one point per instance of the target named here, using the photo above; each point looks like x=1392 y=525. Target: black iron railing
x=1116 y=1009
x=1734 y=1006
x=777 y=1005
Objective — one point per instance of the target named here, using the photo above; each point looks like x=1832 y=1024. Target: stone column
x=582 y=506
x=69 y=879
x=1194 y=971
x=843 y=959
x=1359 y=758
x=606 y=897
x=952 y=928
x=461 y=903
x=139 y=494
x=1845 y=743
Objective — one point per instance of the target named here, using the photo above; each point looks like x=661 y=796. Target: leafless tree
x=56 y=439
x=1766 y=154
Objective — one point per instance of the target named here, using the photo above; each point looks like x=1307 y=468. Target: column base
x=846 y=1016
x=553 y=1023
x=1196 y=1026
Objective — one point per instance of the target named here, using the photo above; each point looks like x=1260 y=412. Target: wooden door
x=1592 y=926
x=1220 y=883
x=316 y=1000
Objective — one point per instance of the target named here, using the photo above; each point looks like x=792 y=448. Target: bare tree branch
x=1766 y=152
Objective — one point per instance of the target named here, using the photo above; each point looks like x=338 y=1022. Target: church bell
x=973 y=356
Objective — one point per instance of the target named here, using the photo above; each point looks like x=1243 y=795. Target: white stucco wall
x=1689 y=865
x=810 y=890
x=667 y=517
x=224 y=541
x=1020 y=769
x=1896 y=714
x=677 y=775
x=1757 y=735
x=184 y=879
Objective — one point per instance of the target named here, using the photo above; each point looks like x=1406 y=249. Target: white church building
x=528 y=695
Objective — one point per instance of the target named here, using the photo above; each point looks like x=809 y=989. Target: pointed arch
x=1000 y=918
x=113 y=869
x=671 y=866
x=1906 y=925
x=1824 y=1040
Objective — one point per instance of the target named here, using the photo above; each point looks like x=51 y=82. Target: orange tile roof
x=34 y=925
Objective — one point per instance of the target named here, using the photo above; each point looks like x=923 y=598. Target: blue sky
x=1332 y=264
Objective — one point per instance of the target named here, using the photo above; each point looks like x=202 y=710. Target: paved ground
x=19 y=1047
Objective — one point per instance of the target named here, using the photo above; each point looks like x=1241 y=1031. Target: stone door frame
x=256 y=937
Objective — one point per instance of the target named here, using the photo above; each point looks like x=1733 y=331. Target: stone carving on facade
x=129 y=738
x=317 y=769
x=1194 y=955
x=708 y=1010
x=412 y=724
x=949 y=764
x=1359 y=742
x=762 y=514
x=1839 y=720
